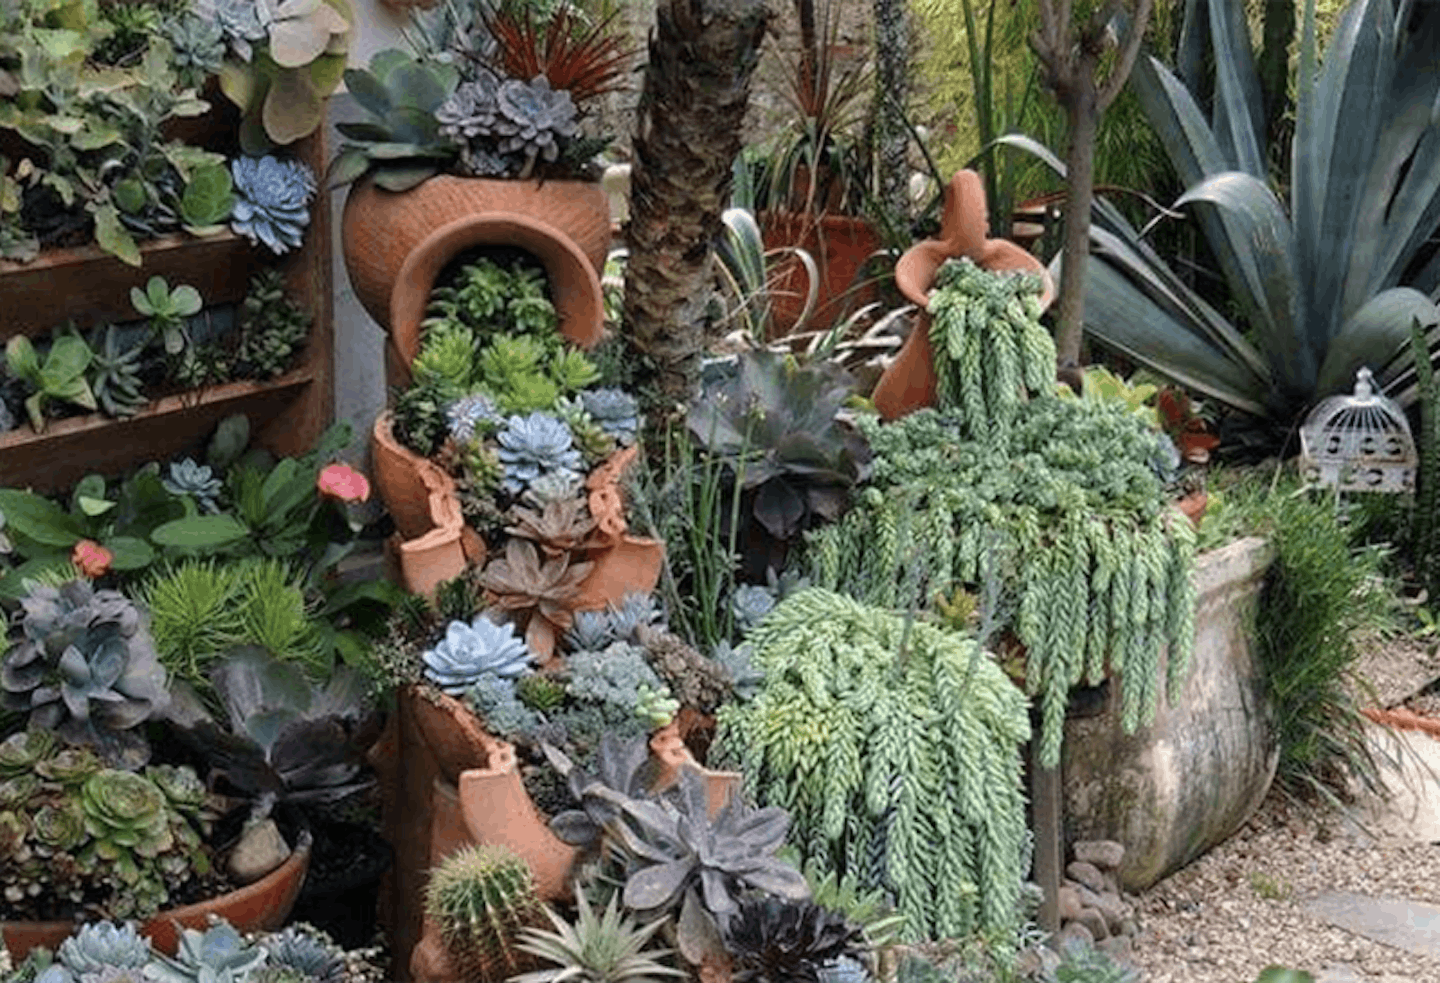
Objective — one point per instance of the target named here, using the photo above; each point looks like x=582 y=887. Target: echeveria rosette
x=188 y=477
x=615 y=411
x=272 y=200
x=469 y=651
x=534 y=118
x=536 y=445
x=472 y=415
x=100 y=944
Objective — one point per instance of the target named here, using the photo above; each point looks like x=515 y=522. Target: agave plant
x=683 y=859
x=599 y=948
x=86 y=667
x=1319 y=284
x=400 y=144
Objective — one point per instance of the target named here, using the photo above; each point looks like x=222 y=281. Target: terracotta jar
x=396 y=244
x=909 y=383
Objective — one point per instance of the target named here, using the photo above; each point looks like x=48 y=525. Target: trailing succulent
x=76 y=835
x=84 y=665
x=272 y=203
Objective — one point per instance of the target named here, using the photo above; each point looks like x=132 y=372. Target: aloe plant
x=1319 y=283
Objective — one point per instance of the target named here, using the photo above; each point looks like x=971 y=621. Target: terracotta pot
x=490 y=805
x=1403 y=718
x=446 y=783
x=259 y=907
x=380 y=229
x=433 y=543
x=909 y=383
x=1193 y=505
x=840 y=246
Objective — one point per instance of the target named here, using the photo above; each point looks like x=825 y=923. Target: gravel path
x=1241 y=907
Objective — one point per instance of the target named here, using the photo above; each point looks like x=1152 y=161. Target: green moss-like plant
x=481 y=896
x=896 y=747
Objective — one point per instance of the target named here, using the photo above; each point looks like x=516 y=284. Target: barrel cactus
x=85 y=667
x=481 y=896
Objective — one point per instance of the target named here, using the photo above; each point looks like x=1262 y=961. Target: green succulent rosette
x=20 y=751
x=128 y=817
x=72 y=767
x=15 y=792
x=59 y=827
x=180 y=784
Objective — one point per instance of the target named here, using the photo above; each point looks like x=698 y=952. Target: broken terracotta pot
x=459 y=785
x=909 y=383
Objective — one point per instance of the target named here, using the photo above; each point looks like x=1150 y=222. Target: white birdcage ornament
x=1359 y=442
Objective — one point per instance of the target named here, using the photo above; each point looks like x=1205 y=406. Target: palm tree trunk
x=692 y=104
x=888 y=131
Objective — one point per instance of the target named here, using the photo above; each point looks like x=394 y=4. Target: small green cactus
x=481 y=896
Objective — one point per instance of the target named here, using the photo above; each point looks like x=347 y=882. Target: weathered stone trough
x=1173 y=790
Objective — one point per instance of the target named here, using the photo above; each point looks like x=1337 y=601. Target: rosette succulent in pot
x=470 y=651
x=279 y=738
x=272 y=201
x=534 y=446
x=85 y=666
x=400 y=142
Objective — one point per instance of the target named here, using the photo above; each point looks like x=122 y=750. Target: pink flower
x=341 y=481
x=92 y=559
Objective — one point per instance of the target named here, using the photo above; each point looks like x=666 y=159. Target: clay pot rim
x=292 y=870
x=555 y=250
x=441 y=500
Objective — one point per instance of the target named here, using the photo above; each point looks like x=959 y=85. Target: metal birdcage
x=1359 y=442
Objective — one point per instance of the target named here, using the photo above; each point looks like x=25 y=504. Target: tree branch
x=1126 y=59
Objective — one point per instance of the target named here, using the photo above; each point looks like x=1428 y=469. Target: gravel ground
x=1241 y=907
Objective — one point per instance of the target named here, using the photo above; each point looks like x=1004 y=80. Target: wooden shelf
x=71 y=448
x=87 y=286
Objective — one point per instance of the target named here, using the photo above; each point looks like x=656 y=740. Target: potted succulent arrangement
x=118 y=164
x=476 y=139
x=167 y=736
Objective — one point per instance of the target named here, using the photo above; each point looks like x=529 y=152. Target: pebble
x=260 y=850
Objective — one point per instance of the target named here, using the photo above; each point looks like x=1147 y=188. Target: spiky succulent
x=471 y=416
x=480 y=896
x=84 y=665
x=536 y=445
x=100 y=944
x=188 y=477
x=469 y=651
x=197 y=47
x=599 y=948
x=115 y=373
x=616 y=411
x=217 y=955
x=780 y=940
x=272 y=200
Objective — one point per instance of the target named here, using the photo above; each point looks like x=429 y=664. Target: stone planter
x=1173 y=790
